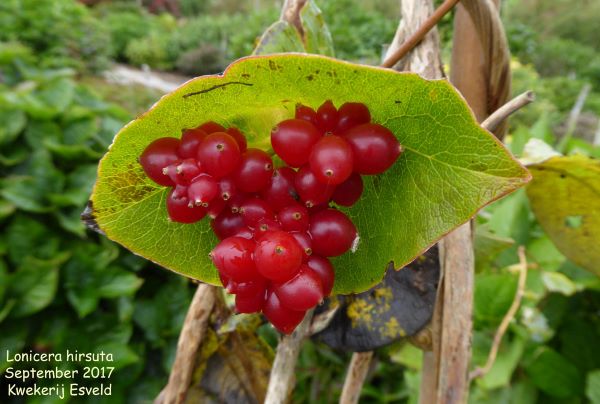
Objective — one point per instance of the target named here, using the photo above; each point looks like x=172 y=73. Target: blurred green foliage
x=60 y=286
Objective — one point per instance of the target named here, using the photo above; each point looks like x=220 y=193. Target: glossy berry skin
x=312 y=191
x=219 y=154
x=306 y=113
x=294 y=217
x=305 y=241
x=331 y=160
x=211 y=127
x=190 y=139
x=280 y=192
x=233 y=258
x=375 y=148
x=322 y=267
x=227 y=188
x=283 y=319
x=265 y=226
x=352 y=114
x=327 y=117
x=179 y=210
x=158 y=155
x=227 y=224
x=293 y=140
x=239 y=138
x=252 y=303
x=304 y=291
x=277 y=256
x=332 y=233
x=203 y=190
x=254 y=171
x=349 y=191
x=182 y=172
x=236 y=201
x=255 y=286
x=215 y=207
x=255 y=209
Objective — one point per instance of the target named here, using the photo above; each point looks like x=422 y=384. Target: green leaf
x=592 y=388
x=451 y=167
x=34 y=285
x=316 y=34
x=28 y=236
x=487 y=246
x=12 y=123
x=12 y=339
x=559 y=283
x=565 y=197
x=555 y=375
x=494 y=294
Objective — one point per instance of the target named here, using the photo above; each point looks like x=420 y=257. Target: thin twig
x=574 y=116
x=357 y=373
x=494 y=120
x=510 y=314
x=322 y=320
x=194 y=328
x=418 y=36
x=282 y=377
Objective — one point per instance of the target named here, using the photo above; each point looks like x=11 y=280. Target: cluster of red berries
x=275 y=225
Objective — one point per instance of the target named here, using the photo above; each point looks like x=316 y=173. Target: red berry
x=265 y=226
x=352 y=114
x=219 y=154
x=236 y=201
x=303 y=238
x=327 y=117
x=179 y=207
x=190 y=139
x=332 y=233
x=306 y=113
x=233 y=258
x=293 y=140
x=254 y=286
x=211 y=127
x=182 y=172
x=278 y=256
x=324 y=269
x=294 y=218
x=251 y=303
x=282 y=318
x=304 y=291
x=245 y=232
x=227 y=224
x=349 y=191
x=255 y=209
x=312 y=192
x=254 y=171
x=331 y=160
x=226 y=188
x=239 y=138
x=280 y=192
x=215 y=207
x=203 y=190
x=375 y=148
x=157 y=155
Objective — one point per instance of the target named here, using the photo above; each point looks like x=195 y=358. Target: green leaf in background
x=285 y=37
x=494 y=294
x=559 y=283
x=34 y=284
x=487 y=246
x=592 y=388
x=451 y=167
x=505 y=364
x=12 y=123
x=555 y=375
x=12 y=338
x=565 y=197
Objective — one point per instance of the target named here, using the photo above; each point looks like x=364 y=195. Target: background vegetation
x=64 y=287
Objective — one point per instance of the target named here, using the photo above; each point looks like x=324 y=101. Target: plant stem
x=494 y=120
x=282 y=377
x=418 y=36
x=510 y=314
x=355 y=378
x=190 y=339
